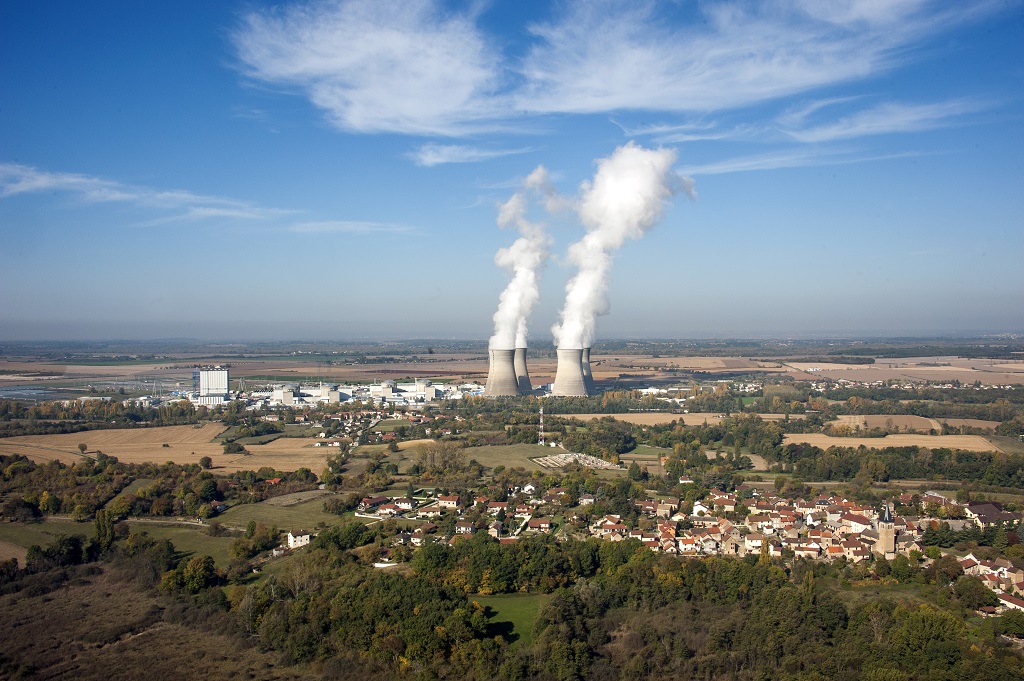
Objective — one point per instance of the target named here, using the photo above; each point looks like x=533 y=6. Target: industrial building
x=213 y=387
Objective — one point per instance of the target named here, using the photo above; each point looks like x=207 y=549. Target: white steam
x=524 y=259
x=627 y=197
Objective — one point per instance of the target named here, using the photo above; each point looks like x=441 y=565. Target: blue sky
x=333 y=170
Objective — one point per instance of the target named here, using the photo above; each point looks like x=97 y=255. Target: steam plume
x=524 y=259
x=626 y=198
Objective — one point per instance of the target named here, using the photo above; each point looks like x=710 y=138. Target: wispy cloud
x=378 y=66
x=437 y=154
x=349 y=227
x=799 y=158
x=417 y=67
x=184 y=205
x=888 y=118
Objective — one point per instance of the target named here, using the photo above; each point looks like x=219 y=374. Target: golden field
x=186 y=444
x=975 y=443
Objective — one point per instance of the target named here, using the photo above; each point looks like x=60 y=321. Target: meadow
x=514 y=613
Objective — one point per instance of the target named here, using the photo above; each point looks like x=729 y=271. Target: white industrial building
x=213 y=387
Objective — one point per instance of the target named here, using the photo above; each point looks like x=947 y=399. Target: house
x=370 y=503
x=496 y=507
x=446 y=502
x=294 y=541
x=405 y=504
x=540 y=524
x=463 y=527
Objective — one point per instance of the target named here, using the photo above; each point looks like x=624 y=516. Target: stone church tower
x=886 y=544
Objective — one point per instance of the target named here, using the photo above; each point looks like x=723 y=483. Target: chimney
x=522 y=375
x=501 y=379
x=588 y=378
x=569 y=375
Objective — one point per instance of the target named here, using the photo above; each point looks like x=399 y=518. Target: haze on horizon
x=270 y=171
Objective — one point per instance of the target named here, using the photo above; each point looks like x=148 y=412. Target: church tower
x=886 y=544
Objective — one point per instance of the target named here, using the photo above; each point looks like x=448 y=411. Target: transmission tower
x=540 y=431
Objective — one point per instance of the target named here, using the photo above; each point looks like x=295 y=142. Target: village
x=748 y=521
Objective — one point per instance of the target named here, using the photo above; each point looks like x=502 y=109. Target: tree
x=82 y=447
x=973 y=594
x=206 y=463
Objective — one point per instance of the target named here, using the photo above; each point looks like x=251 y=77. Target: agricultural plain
x=974 y=443
x=184 y=444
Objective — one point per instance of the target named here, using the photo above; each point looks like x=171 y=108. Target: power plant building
x=214 y=387
x=501 y=377
x=569 y=378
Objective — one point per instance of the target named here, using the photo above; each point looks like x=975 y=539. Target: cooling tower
x=569 y=375
x=588 y=378
x=501 y=379
x=522 y=375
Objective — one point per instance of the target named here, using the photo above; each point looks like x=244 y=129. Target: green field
x=133 y=488
x=43 y=534
x=647 y=453
x=302 y=516
x=188 y=540
x=509 y=456
x=390 y=425
x=514 y=613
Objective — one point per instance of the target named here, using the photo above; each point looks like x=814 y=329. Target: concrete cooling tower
x=588 y=378
x=569 y=380
x=522 y=375
x=501 y=378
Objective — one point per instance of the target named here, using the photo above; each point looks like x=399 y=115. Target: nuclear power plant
x=522 y=374
x=588 y=378
x=501 y=378
x=569 y=380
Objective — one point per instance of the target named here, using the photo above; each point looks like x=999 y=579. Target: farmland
x=654 y=419
x=974 y=443
x=184 y=444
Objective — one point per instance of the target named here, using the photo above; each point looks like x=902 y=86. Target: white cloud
x=609 y=56
x=349 y=227
x=20 y=179
x=437 y=154
x=378 y=65
x=887 y=118
x=787 y=159
x=418 y=67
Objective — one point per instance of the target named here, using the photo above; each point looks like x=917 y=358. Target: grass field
x=304 y=515
x=509 y=456
x=975 y=443
x=514 y=613
x=42 y=534
x=134 y=487
x=188 y=540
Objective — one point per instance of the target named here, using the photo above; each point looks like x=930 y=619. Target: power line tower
x=540 y=431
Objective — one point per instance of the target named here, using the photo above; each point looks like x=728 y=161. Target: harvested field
x=970 y=423
x=974 y=443
x=186 y=444
x=9 y=550
x=917 y=369
x=653 y=419
x=888 y=422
